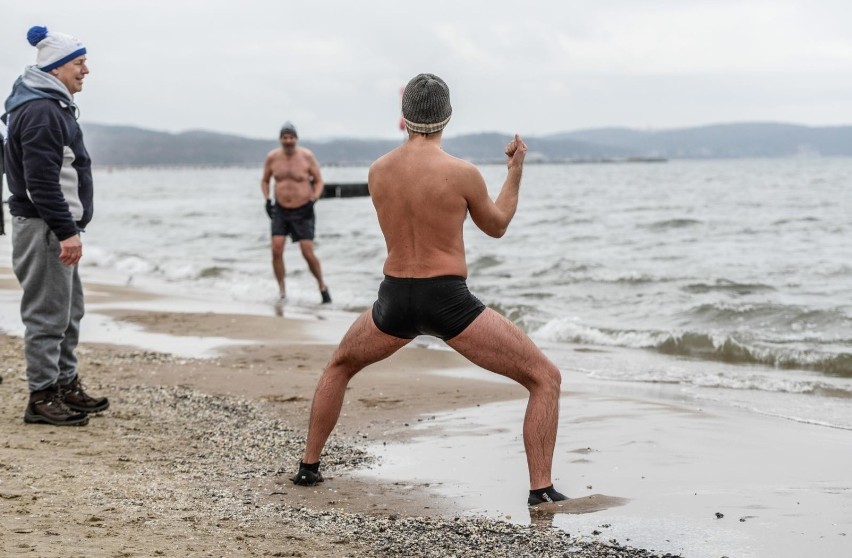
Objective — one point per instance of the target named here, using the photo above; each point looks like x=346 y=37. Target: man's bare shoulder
x=307 y=153
x=459 y=168
x=275 y=153
x=462 y=165
x=453 y=163
x=383 y=160
x=399 y=158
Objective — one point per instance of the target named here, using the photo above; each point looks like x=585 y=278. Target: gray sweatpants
x=51 y=306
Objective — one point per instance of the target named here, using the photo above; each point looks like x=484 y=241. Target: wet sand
x=193 y=455
x=208 y=416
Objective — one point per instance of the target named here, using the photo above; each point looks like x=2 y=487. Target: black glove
x=269 y=208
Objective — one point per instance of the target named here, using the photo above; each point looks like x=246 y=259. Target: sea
x=718 y=283
x=731 y=279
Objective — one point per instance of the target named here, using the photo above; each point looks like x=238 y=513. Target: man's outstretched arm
x=493 y=217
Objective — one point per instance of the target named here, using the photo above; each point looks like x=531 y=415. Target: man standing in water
x=422 y=196
x=50 y=179
x=298 y=185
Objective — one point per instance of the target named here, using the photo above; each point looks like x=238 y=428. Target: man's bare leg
x=278 y=262
x=311 y=258
x=498 y=345
x=362 y=345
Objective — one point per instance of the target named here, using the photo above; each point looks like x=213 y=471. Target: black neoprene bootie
x=308 y=475
x=543 y=495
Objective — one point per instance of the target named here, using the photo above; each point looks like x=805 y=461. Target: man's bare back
x=422 y=196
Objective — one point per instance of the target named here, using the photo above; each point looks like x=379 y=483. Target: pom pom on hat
x=54 y=49
x=36 y=34
x=426 y=106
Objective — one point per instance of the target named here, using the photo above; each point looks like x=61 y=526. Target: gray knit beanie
x=426 y=105
x=288 y=128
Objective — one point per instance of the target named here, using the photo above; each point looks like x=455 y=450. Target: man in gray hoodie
x=2 y=172
x=50 y=181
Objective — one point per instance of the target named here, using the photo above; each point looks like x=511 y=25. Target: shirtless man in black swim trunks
x=422 y=196
x=298 y=185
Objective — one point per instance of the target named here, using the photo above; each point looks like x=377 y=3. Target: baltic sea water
x=729 y=279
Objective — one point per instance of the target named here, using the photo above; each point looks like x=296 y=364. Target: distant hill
x=489 y=147
x=130 y=146
x=723 y=140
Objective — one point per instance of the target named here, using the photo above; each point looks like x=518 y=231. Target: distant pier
x=345 y=190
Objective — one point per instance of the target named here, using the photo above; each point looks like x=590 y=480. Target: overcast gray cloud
x=335 y=67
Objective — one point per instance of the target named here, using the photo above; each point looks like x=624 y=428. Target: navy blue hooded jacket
x=48 y=169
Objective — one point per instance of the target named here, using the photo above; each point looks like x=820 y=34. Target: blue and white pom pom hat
x=54 y=49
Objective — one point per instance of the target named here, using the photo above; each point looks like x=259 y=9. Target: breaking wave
x=704 y=346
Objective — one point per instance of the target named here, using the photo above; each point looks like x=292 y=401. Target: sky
x=335 y=67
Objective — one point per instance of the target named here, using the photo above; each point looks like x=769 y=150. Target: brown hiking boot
x=46 y=407
x=78 y=400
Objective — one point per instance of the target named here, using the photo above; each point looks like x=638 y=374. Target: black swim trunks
x=297 y=222
x=439 y=306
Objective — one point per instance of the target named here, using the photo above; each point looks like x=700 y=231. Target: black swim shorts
x=297 y=222
x=439 y=306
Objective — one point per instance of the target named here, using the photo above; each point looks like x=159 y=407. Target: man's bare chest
x=292 y=170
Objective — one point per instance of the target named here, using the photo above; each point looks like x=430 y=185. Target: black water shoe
x=543 y=495
x=308 y=475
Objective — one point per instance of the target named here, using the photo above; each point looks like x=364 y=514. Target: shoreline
x=193 y=455
x=427 y=448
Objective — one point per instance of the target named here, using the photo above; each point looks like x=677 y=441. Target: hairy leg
x=362 y=345
x=310 y=256
x=496 y=344
x=278 y=261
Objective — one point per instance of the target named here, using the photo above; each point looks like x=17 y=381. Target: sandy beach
x=193 y=456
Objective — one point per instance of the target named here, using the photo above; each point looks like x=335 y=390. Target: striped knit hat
x=426 y=105
x=54 y=49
